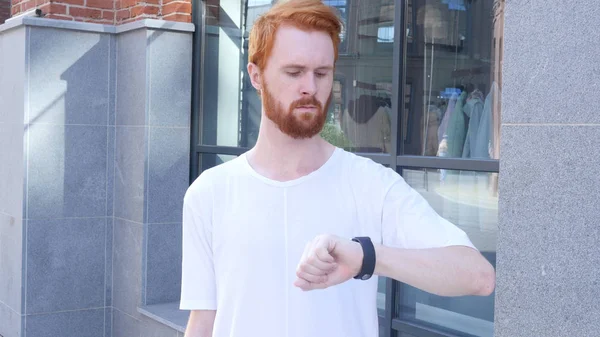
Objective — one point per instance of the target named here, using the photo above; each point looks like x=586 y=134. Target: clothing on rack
x=473 y=109
x=373 y=134
x=446 y=118
x=457 y=129
x=483 y=139
x=365 y=107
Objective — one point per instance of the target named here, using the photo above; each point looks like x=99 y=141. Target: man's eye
x=294 y=73
x=321 y=74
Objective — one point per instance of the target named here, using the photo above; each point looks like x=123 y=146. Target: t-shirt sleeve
x=198 y=289
x=409 y=221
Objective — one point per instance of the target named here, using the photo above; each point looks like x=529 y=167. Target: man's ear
x=255 y=76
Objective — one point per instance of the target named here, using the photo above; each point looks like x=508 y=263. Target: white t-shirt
x=244 y=235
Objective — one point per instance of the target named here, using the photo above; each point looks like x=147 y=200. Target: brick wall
x=4 y=10
x=108 y=11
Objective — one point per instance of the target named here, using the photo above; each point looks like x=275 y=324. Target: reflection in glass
x=381 y=287
x=359 y=117
x=208 y=160
x=469 y=200
x=454 y=69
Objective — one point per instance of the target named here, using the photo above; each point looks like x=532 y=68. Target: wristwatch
x=369 y=258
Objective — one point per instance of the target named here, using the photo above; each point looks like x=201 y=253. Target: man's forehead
x=294 y=47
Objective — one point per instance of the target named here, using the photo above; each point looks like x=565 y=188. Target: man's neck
x=280 y=157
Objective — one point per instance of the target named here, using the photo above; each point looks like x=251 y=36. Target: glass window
x=208 y=160
x=453 y=78
x=469 y=200
x=360 y=112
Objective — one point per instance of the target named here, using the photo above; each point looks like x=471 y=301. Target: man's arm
x=200 y=323
x=447 y=271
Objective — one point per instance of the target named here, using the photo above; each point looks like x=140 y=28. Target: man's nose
x=309 y=84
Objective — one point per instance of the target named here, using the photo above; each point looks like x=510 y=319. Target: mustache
x=306 y=101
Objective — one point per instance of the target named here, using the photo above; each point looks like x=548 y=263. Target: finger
x=319 y=255
x=306 y=286
x=302 y=284
x=315 y=266
x=311 y=278
x=322 y=253
x=322 y=248
x=314 y=270
x=312 y=263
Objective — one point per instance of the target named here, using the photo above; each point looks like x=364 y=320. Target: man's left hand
x=328 y=260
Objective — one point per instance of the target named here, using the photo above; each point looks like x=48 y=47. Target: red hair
x=308 y=15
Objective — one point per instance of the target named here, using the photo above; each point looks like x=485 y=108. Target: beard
x=297 y=126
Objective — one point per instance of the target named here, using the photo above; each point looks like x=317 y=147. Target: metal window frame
x=396 y=159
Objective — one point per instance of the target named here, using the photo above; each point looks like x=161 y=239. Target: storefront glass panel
x=469 y=200
x=360 y=114
x=453 y=78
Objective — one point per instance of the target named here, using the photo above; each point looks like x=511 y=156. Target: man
x=288 y=239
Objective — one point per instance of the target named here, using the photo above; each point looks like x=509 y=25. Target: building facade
x=110 y=109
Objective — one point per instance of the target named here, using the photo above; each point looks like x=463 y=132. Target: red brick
x=53 y=8
x=212 y=12
x=127 y=3
x=123 y=14
x=150 y=10
x=108 y=15
x=132 y=20
x=71 y=2
x=177 y=7
x=41 y=2
x=16 y=10
x=85 y=12
x=104 y=4
x=166 y=2
x=150 y=2
x=27 y=6
x=178 y=17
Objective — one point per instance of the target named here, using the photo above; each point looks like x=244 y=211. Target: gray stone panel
x=11 y=168
x=108 y=265
x=547 y=270
x=13 y=49
x=110 y=170
x=65 y=264
x=127 y=266
x=81 y=323
x=131 y=92
x=68 y=77
x=550 y=62
x=11 y=246
x=152 y=328
x=108 y=318
x=125 y=325
x=130 y=176
x=168 y=165
x=163 y=263
x=67 y=171
x=12 y=106
x=112 y=84
x=169 y=78
x=10 y=322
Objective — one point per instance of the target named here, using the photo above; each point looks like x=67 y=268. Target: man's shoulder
x=210 y=179
x=365 y=167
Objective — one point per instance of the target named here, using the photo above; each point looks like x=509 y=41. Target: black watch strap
x=369 y=259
